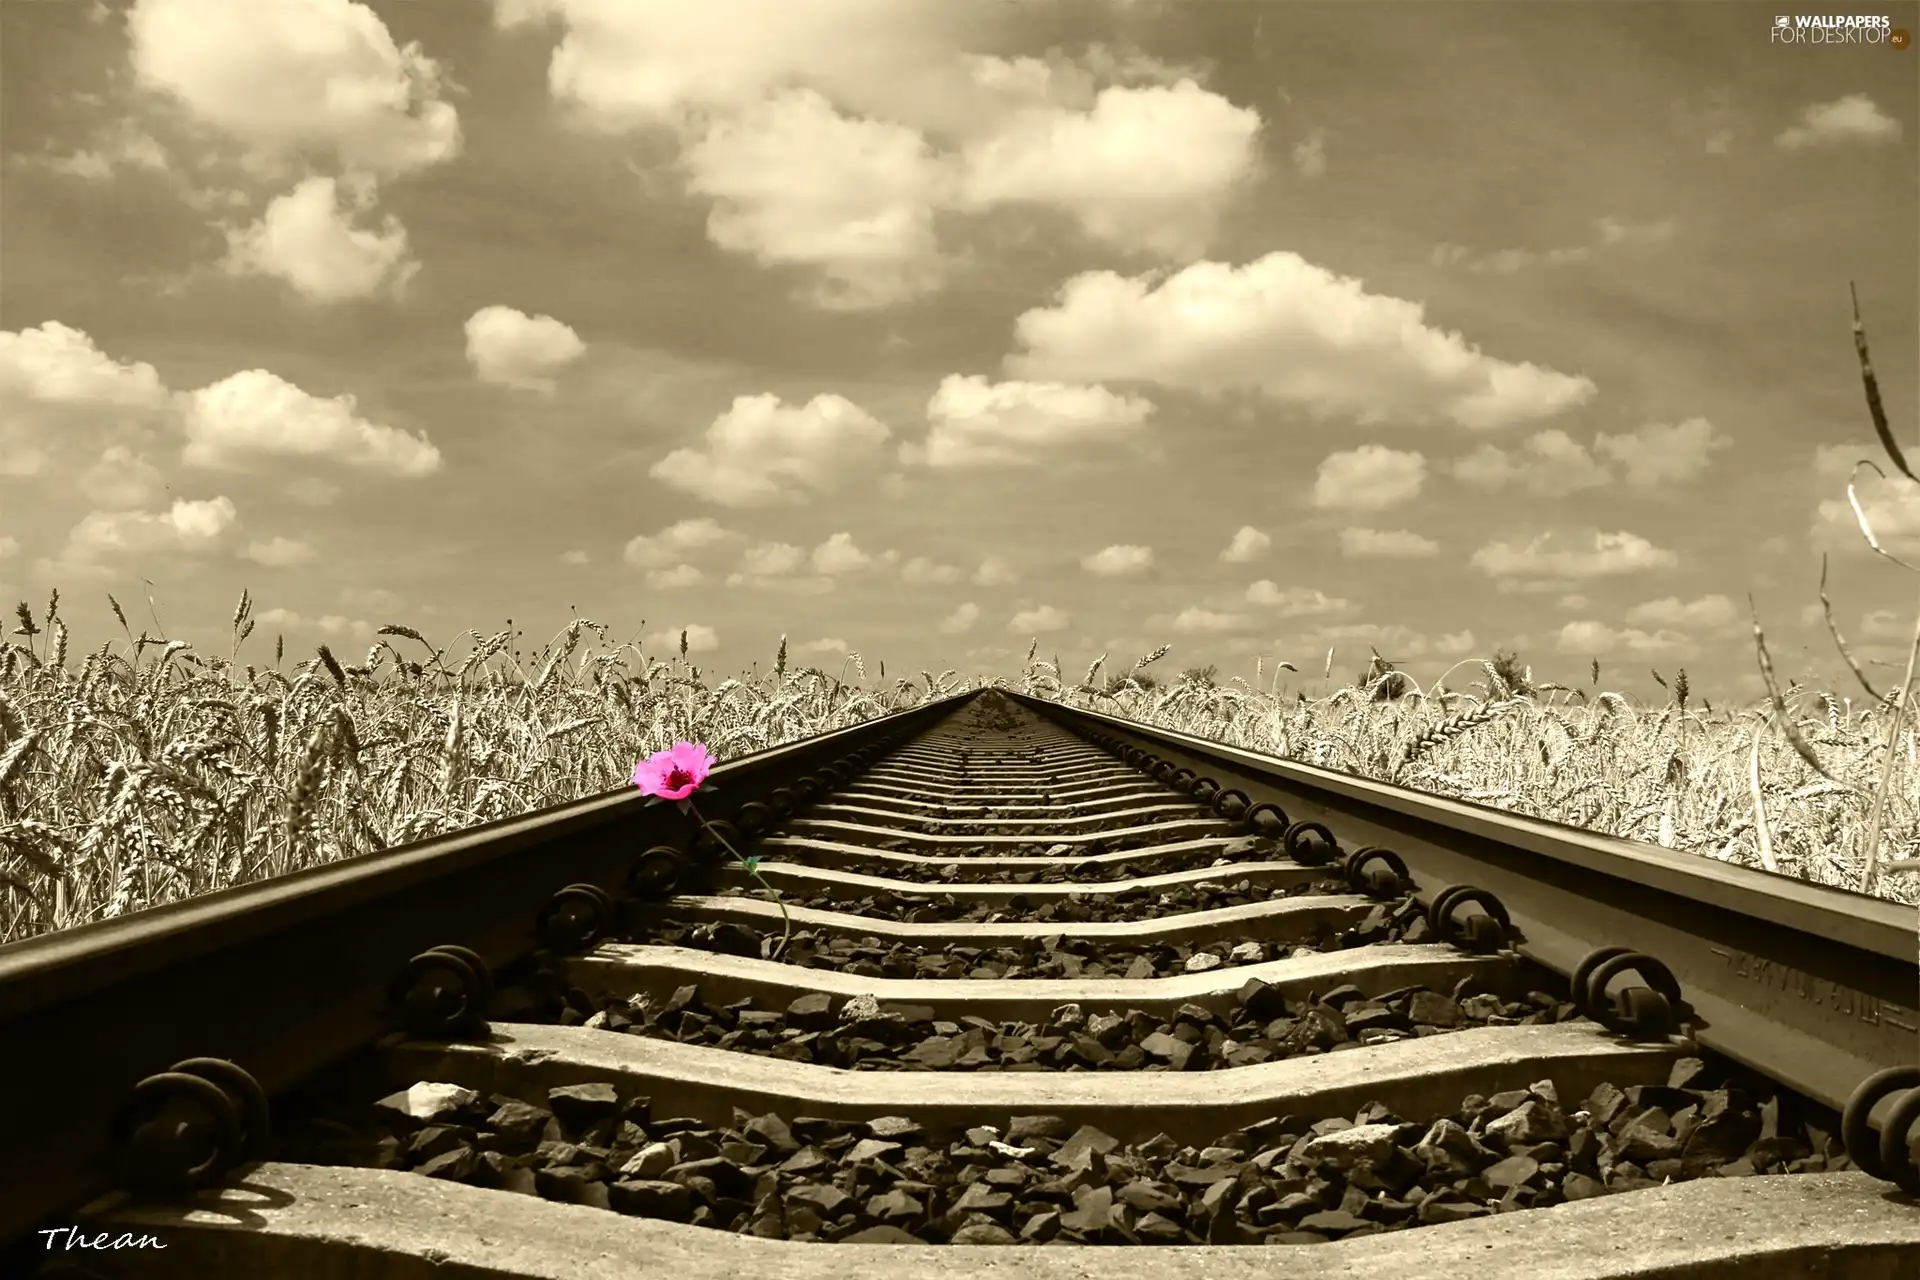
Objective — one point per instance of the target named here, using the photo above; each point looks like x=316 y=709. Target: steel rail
x=288 y=976
x=1811 y=986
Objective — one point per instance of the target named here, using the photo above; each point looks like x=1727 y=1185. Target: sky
x=933 y=330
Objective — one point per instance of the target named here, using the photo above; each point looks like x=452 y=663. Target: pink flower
x=676 y=773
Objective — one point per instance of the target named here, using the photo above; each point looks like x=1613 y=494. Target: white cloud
x=838 y=555
x=1549 y=463
x=257 y=414
x=699 y=639
x=1296 y=602
x=1298 y=332
x=1891 y=506
x=574 y=557
x=826 y=644
x=675 y=541
x=921 y=571
x=810 y=127
x=1146 y=169
x=307 y=238
x=1370 y=478
x=328 y=624
x=771 y=559
x=288 y=76
x=121 y=479
x=280 y=553
x=1711 y=612
x=1657 y=454
x=1853 y=118
x=977 y=423
x=185 y=527
x=1387 y=544
x=961 y=619
x=681 y=575
x=1248 y=544
x=1117 y=561
x=1205 y=620
x=1559 y=554
x=994 y=572
x=1597 y=638
x=760 y=452
x=1045 y=618
x=1609 y=233
x=57 y=364
x=513 y=349
x=1310 y=155
x=796 y=183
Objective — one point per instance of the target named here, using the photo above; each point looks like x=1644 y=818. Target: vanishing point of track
x=1054 y=978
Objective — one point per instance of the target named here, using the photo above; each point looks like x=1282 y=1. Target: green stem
x=778 y=900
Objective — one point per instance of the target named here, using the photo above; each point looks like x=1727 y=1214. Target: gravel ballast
x=1033 y=1179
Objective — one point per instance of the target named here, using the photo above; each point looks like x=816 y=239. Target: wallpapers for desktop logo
x=1845 y=28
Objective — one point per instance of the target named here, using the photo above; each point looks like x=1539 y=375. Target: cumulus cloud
x=121 y=479
x=826 y=644
x=685 y=537
x=1851 y=119
x=1385 y=544
x=1658 y=454
x=1597 y=638
x=810 y=129
x=1551 y=462
x=1147 y=169
x=700 y=639
x=1204 y=620
x=994 y=572
x=280 y=553
x=1296 y=602
x=184 y=528
x=679 y=576
x=838 y=554
x=307 y=239
x=921 y=571
x=284 y=77
x=760 y=452
x=1891 y=507
x=1045 y=618
x=513 y=349
x=1297 y=332
x=961 y=619
x=1118 y=561
x=52 y=379
x=1710 y=611
x=1370 y=478
x=255 y=414
x=575 y=557
x=1248 y=544
x=796 y=183
x=1560 y=555
x=328 y=624
x=977 y=423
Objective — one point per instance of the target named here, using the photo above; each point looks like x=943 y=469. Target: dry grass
x=153 y=773
x=1677 y=775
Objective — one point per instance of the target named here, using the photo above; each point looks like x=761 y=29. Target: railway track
x=1052 y=979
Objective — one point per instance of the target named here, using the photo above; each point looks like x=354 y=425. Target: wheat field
x=152 y=773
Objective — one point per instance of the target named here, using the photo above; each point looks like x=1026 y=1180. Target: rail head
x=287 y=976
x=1812 y=985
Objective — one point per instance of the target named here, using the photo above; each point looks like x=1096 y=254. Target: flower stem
x=778 y=901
